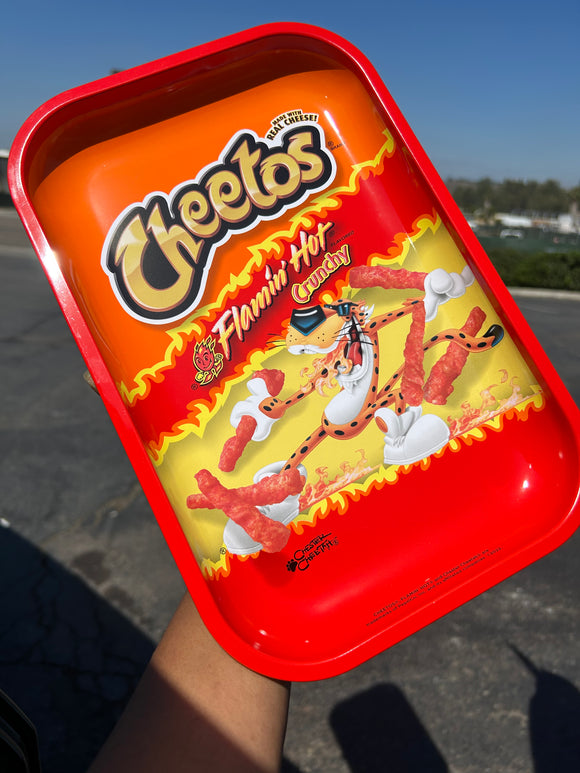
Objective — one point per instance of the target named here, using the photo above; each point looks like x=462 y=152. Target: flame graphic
x=324 y=496
x=490 y=407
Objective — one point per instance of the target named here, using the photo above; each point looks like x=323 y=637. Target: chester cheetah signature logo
x=302 y=558
x=209 y=364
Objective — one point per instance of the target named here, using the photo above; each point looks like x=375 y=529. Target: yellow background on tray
x=501 y=370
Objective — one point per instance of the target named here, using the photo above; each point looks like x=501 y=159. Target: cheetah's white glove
x=251 y=407
x=441 y=286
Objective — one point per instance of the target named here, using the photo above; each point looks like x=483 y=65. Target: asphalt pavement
x=87 y=586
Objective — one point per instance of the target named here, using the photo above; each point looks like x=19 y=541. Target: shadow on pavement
x=67 y=658
x=378 y=730
x=554 y=721
x=71 y=662
x=289 y=767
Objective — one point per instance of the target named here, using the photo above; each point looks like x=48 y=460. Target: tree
x=514 y=195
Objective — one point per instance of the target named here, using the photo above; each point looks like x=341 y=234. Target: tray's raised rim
x=46 y=118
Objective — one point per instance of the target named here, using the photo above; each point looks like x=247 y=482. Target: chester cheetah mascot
x=347 y=334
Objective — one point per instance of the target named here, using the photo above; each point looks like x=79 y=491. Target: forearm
x=198 y=709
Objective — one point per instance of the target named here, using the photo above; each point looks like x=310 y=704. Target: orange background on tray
x=79 y=200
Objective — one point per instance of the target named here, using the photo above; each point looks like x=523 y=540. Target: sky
x=489 y=91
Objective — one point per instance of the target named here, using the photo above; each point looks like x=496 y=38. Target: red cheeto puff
x=272 y=535
x=387 y=278
x=274 y=379
x=440 y=382
x=268 y=491
x=413 y=373
x=234 y=446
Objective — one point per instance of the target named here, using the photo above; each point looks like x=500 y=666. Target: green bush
x=552 y=270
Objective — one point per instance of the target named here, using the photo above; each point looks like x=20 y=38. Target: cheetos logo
x=158 y=252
